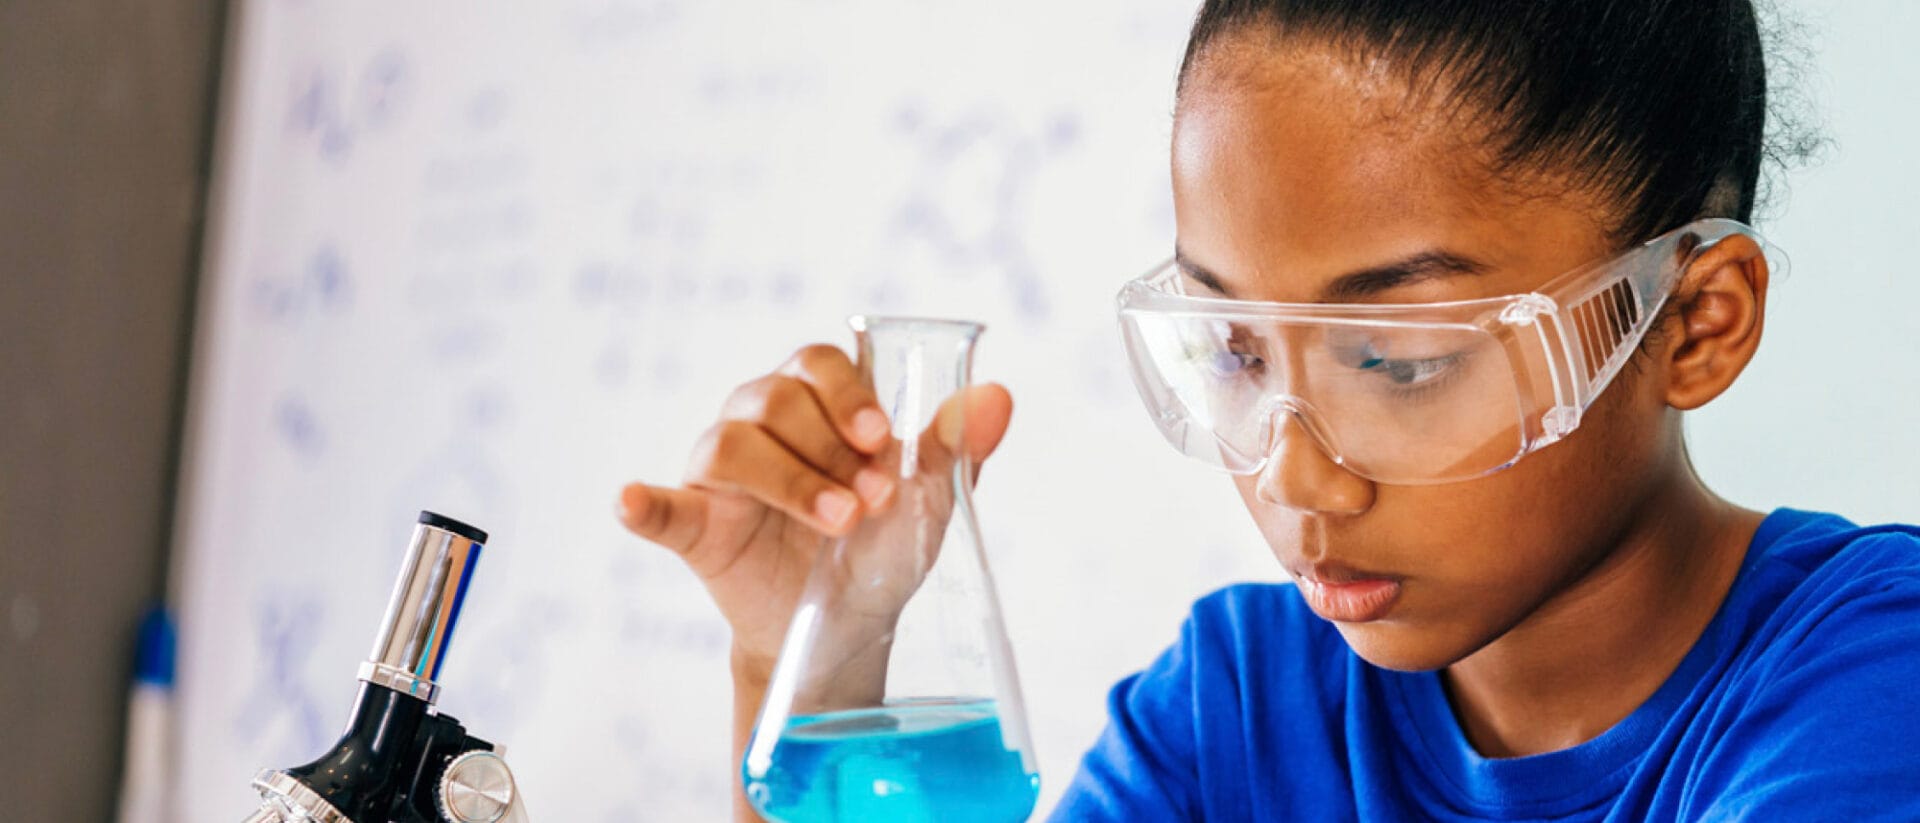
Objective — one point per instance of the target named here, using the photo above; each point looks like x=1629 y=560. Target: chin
x=1402 y=647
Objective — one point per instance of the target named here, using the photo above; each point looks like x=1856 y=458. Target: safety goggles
x=1400 y=394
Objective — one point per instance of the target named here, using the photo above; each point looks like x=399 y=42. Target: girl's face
x=1294 y=168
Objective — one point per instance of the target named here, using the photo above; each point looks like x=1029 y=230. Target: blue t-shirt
x=1800 y=701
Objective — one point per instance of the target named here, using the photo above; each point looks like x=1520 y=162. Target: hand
x=793 y=459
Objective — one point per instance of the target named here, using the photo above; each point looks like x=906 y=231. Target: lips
x=1343 y=595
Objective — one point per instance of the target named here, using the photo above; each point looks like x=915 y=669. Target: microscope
x=401 y=760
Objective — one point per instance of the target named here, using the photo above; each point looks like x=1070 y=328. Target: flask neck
x=915 y=366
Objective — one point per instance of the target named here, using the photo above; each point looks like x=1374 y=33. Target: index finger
x=846 y=398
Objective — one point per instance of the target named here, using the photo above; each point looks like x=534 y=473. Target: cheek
x=1479 y=557
x=1558 y=506
x=1504 y=544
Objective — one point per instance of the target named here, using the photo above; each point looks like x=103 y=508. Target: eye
x=1412 y=372
x=1225 y=364
x=1365 y=354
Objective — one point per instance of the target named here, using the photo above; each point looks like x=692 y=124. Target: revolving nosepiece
x=412 y=643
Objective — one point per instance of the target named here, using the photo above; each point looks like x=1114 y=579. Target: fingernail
x=950 y=424
x=870 y=425
x=630 y=496
x=835 y=507
x=874 y=487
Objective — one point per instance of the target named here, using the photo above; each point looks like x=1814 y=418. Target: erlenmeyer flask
x=895 y=696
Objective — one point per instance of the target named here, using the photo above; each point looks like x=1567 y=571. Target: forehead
x=1293 y=164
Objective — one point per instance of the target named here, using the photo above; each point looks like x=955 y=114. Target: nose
x=1300 y=476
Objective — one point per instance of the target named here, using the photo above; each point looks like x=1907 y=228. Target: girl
x=1448 y=273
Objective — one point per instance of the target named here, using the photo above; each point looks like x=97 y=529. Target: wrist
x=750 y=669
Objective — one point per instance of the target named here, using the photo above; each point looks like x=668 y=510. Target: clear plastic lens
x=1396 y=403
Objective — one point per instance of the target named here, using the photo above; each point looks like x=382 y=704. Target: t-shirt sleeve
x=1833 y=731
x=1143 y=767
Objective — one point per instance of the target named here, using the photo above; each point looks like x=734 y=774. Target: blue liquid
x=908 y=763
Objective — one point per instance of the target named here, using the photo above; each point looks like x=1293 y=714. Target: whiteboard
x=496 y=259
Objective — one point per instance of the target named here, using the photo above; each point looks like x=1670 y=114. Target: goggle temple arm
x=1597 y=326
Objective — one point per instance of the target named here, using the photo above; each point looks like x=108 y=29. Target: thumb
x=674 y=518
x=976 y=420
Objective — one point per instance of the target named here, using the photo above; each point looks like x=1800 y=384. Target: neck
x=1587 y=658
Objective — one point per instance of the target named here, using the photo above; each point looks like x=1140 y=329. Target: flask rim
x=865 y=323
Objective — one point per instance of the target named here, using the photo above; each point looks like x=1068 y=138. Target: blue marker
x=144 y=796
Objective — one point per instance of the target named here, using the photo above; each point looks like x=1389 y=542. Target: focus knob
x=476 y=788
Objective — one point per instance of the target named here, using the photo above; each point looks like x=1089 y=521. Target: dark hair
x=1661 y=104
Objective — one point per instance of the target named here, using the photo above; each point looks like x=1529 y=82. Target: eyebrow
x=1430 y=265
x=1200 y=274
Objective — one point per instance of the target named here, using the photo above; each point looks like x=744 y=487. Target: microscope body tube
x=432 y=586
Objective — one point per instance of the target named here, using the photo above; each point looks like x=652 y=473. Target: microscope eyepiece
x=425 y=606
x=441 y=521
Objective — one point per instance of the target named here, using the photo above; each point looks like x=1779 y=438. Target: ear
x=1722 y=305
